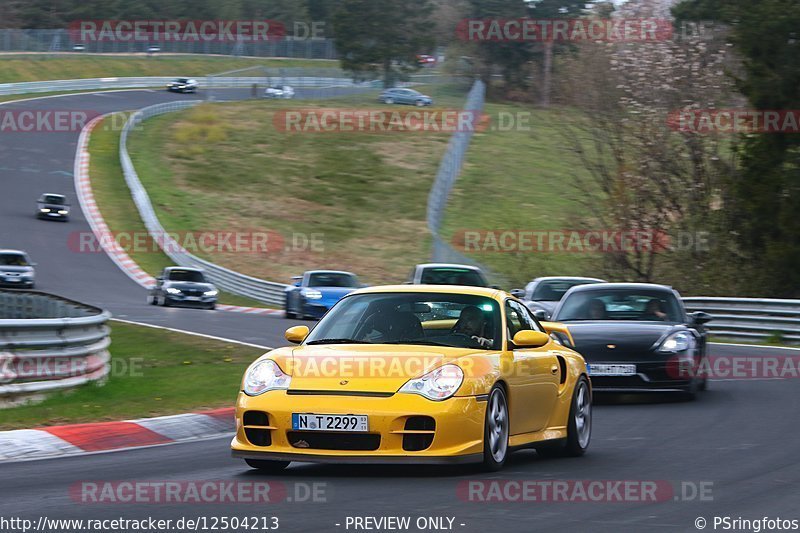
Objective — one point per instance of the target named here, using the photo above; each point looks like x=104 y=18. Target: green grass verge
x=116 y=205
x=36 y=67
x=228 y=166
x=520 y=179
x=154 y=373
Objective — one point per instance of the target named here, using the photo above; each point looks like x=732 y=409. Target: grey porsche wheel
x=495 y=432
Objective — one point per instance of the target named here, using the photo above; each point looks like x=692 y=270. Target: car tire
x=286 y=312
x=579 y=429
x=151 y=300
x=266 y=466
x=579 y=426
x=211 y=307
x=495 y=430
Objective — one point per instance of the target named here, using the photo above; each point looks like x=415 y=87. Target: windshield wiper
x=338 y=341
x=423 y=343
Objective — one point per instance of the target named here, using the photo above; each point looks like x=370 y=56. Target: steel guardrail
x=750 y=318
x=294 y=77
x=268 y=292
x=61 y=41
x=49 y=343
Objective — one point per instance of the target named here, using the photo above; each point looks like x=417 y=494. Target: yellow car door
x=533 y=375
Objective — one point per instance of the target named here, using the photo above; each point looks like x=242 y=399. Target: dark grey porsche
x=636 y=337
x=185 y=287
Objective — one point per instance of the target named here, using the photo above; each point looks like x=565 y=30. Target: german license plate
x=612 y=370
x=315 y=422
x=192 y=298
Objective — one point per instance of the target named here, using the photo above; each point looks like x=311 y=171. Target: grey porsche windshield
x=433 y=319
x=620 y=304
x=13 y=260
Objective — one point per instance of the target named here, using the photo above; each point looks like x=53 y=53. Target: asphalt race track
x=737 y=442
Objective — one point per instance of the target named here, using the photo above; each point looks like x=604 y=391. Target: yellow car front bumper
x=400 y=429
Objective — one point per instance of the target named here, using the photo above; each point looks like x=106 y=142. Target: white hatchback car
x=279 y=91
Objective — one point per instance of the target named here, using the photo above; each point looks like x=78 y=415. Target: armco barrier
x=750 y=318
x=296 y=77
x=449 y=170
x=49 y=343
x=228 y=280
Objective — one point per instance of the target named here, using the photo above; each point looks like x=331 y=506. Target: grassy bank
x=520 y=179
x=116 y=205
x=35 y=67
x=363 y=195
x=154 y=372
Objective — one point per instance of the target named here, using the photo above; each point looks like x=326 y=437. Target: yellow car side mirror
x=530 y=339
x=297 y=334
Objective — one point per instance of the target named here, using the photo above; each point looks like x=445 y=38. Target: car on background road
x=183 y=85
x=316 y=291
x=181 y=286
x=53 y=207
x=636 y=337
x=280 y=91
x=405 y=96
x=425 y=60
x=16 y=270
x=542 y=294
x=448 y=274
x=380 y=379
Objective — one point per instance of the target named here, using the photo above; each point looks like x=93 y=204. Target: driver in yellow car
x=472 y=324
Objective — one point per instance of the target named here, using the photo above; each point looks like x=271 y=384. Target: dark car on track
x=53 y=207
x=636 y=337
x=543 y=294
x=405 y=96
x=316 y=291
x=182 y=286
x=16 y=270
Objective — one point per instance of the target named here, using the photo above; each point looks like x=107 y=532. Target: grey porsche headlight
x=677 y=342
x=263 y=376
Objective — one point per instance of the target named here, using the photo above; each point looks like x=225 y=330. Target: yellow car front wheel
x=495 y=430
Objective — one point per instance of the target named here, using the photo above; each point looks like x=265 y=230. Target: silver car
x=542 y=294
x=16 y=270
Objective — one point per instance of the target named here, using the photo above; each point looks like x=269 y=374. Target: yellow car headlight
x=438 y=384
x=263 y=376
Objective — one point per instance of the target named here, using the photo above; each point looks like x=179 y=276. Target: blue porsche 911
x=316 y=291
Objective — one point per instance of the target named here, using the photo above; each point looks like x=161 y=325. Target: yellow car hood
x=361 y=368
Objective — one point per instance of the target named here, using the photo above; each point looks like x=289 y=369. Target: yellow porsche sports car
x=416 y=374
